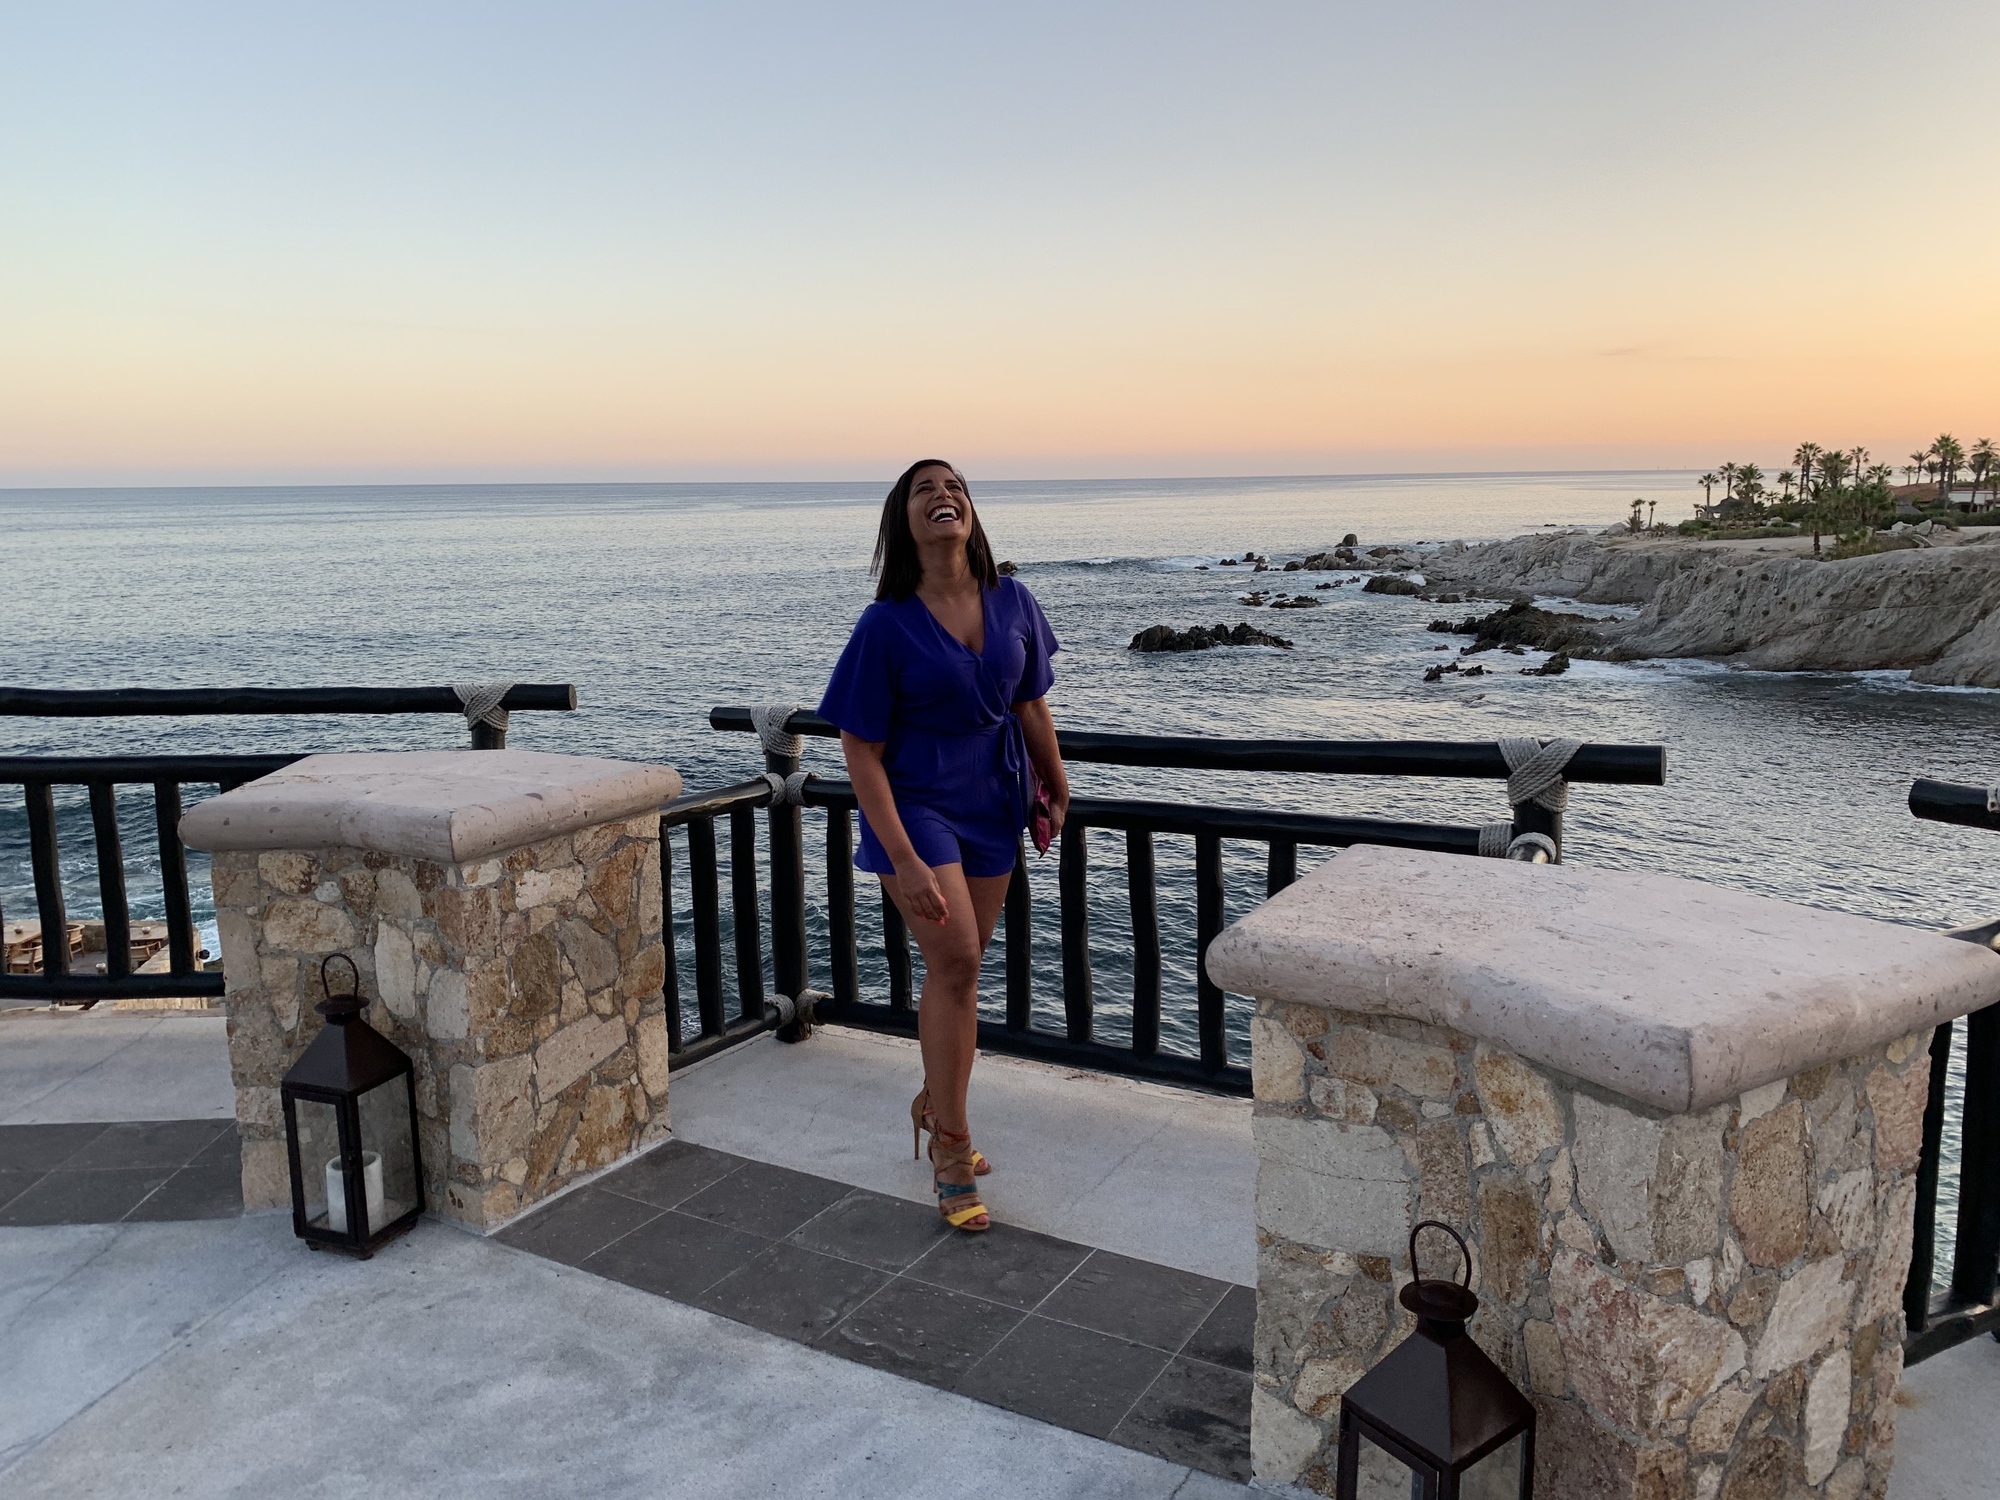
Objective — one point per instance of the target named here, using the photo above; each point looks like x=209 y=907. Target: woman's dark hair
x=897 y=568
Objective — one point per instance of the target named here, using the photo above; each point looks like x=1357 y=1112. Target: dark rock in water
x=1475 y=671
x=1204 y=637
x=1522 y=624
x=1513 y=650
x=1448 y=598
x=1380 y=551
x=1293 y=567
x=1229 y=562
x=1388 y=583
x=1007 y=570
x=1555 y=666
x=1333 y=585
x=1261 y=568
x=1297 y=601
x=1350 y=540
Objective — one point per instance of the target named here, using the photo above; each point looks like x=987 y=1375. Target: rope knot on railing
x=788 y=791
x=769 y=721
x=1535 y=771
x=481 y=701
x=1534 y=775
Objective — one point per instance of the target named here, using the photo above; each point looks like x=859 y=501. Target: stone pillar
x=504 y=911
x=1679 y=1127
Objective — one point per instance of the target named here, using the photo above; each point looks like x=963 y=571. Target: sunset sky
x=247 y=243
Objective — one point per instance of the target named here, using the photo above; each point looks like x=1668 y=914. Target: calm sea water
x=660 y=601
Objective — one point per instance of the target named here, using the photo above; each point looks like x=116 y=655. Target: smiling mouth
x=940 y=514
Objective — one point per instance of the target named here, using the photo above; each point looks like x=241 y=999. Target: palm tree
x=1950 y=456
x=1983 y=458
x=1786 y=479
x=1728 y=473
x=1805 y=456
x=1832 y=469
x=1749 y=481
x=1708 y=482
x=1921 y=464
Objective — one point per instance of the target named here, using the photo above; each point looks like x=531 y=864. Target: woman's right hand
x=917 y=885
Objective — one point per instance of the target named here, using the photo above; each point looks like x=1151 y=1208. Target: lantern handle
x=1462 y=1250
x=326 y=985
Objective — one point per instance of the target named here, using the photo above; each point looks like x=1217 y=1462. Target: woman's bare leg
x=948 y=1009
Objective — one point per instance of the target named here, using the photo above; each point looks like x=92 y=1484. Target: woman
x=939 y=700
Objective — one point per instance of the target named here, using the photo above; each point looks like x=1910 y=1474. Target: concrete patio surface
x=104 y=1065
x=222 y=1359
x=1158 y=1173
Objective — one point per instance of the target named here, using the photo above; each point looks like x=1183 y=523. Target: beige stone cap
x=1673 y=993
x=445 y=805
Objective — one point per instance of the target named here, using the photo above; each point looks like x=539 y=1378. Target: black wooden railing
x=168 y=775
x=1969 y=1304
x=1078 y=1045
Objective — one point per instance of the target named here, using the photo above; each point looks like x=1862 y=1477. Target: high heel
x=958 y=1202
x=922 y=1118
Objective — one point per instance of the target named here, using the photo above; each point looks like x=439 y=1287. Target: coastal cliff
x=1933 y=611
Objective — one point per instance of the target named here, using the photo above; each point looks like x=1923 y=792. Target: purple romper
x=957 y=763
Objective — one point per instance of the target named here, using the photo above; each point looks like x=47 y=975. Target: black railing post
x=1142 y=894
x=1532 y=817
x=788 y=885
x=1282 y=868
x=40 y=797
x=1975 y=1263
x=1208 y=913
x=705 y=905
x=1923 y=1234
x=1020 y=938
x=1073 y=881
x=896 y=949
x=744 y=916
x=487 y=736
x=111 y=880
x=845 y=960
x=174 y=877
x=672 y=984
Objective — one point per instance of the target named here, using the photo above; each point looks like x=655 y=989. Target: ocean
x=660 y=601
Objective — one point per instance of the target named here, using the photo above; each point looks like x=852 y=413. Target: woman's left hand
x=1058 y=812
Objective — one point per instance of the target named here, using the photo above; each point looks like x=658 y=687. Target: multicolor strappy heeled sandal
x=958 y=1203
x=922 y=1118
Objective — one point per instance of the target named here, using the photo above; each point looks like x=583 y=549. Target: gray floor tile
x=921 y=1332
x=227 y=1146
x=1004 y=1264
x=765 y=1200
x=41 y=1148
x=874 y=1229
x=577 y=1226
x=1071 y=1377
x=1194 y=1414
x=797 y=1293
x=103 y=1196
x=149 y=1143
x=676 y=1256
x=1134 y=1299
x=14 y=1182
x=1224 y=1339
x=205 y=1190
x=670 y=1174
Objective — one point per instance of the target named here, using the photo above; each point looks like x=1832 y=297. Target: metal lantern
x=1433 y=1419
x=351 y=1129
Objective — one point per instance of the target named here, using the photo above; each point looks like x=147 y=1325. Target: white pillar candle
x=336 y=1192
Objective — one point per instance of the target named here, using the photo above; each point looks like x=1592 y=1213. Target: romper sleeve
x=861 y=695
x=1037 y=675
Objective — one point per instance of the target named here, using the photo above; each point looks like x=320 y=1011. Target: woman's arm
x=1038 y=728
x=913 y=878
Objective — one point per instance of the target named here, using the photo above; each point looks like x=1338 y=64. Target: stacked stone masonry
x=526 y=987
x=1705 y=1305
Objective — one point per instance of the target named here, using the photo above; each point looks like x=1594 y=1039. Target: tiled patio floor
x=1145 y=1356
x=142 y=1170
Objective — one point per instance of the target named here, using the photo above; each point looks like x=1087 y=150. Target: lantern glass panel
x=1496 y=1476
x=319 y=1143
x=1380 y=1475
x=385 y=1136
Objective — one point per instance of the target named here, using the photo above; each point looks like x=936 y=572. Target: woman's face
x=940 y=510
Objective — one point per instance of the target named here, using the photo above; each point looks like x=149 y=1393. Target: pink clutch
x=1041 y=816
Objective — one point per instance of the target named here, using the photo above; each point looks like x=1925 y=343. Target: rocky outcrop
x=1566 y=565
x=1391 y=583
x=1935 y=613
x=1522 y=624
x=1204 y=637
